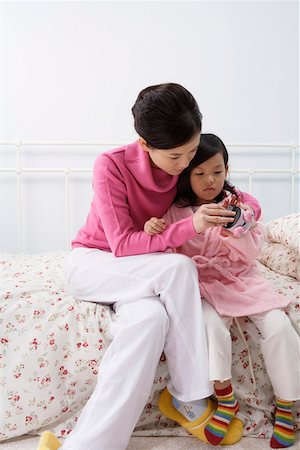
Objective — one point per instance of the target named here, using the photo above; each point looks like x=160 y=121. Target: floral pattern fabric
x=281 y=250
x=286 y=231
x=51 y=345
x=281 y=259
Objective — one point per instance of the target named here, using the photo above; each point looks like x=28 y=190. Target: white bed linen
x=51 y=345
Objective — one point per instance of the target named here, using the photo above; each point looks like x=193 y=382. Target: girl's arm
x=246 y=248
x=247 y=199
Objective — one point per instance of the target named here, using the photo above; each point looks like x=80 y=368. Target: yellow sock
x=48 y=441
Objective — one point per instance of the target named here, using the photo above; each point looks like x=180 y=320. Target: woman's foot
x=48 y=441
x=196 y=427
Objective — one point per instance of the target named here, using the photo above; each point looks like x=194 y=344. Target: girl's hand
x=234 y=200
x=231 y=200
x=245 y=207
x=211 y=214
x=248 y=208
x=154 y=226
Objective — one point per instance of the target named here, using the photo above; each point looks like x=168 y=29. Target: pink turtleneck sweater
x=128 y=191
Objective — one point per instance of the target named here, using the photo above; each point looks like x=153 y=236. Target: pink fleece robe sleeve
x=253 y=203
x=246 y=248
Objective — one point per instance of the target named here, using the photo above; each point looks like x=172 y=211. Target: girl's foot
x=228 y=406
x=283 y=433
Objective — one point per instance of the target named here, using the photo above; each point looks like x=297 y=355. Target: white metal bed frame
x=293 y=170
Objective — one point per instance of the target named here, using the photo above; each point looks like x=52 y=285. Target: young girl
x=115 y=262
x=232 y=286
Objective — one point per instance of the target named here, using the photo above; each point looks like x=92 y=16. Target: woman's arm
x=124 y=239
x=112 y=207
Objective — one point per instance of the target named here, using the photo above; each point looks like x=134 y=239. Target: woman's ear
x=144 y=144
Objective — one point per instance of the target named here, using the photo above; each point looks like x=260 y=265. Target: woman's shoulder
x=111 y=154
x=119 y=162
x=107 y=164
x=118 y=155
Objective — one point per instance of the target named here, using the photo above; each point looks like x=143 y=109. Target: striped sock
x=218 y=425
x=283 y=432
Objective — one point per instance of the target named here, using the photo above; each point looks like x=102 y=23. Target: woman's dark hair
x=209 y=146
x=166 y=116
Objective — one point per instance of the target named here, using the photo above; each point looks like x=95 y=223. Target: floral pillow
x=280 y=251
x=286 y=231
x=280 y=259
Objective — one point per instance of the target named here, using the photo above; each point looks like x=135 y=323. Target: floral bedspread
x=51 y=345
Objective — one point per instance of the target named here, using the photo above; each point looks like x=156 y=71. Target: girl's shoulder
x=176 y=212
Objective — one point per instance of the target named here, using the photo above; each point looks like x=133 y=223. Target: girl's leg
x=159 y=306
x=281 y=350
x=220 y=358
x=280 y=346
x=227 y=407
x=219 y=342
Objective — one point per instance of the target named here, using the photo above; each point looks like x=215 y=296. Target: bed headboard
x=45 y=187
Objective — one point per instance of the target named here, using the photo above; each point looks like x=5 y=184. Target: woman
x=155 y=294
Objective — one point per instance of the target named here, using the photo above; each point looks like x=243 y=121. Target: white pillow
x=285 y=230
x=280 y=259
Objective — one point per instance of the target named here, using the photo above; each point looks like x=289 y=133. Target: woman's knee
x=157 y=318
x=154 y=326
x=183 y=260
x=147 y=316
x=179 y=265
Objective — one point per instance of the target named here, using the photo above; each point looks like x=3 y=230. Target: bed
x=51 y=345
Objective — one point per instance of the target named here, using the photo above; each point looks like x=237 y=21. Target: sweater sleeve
x=112 y=208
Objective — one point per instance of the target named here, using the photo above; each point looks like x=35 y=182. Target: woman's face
x=207 y=179
x=174 y=160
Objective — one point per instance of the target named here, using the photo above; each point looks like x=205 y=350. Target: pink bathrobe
x=228 y=276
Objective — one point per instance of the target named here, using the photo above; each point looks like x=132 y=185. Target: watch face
x=237 y=217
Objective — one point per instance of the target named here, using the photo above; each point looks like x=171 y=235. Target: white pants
x=280 y=345
x=157 y=300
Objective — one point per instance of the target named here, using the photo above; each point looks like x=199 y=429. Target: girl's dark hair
x=166 y=116
x=209 y=146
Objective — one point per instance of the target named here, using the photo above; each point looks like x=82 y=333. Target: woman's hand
x=211 y=214
x=154 y=226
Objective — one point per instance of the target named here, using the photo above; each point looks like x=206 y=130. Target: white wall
x=72 y=70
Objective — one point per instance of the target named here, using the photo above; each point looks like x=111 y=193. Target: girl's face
x=207 y=179
x=174 y=160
